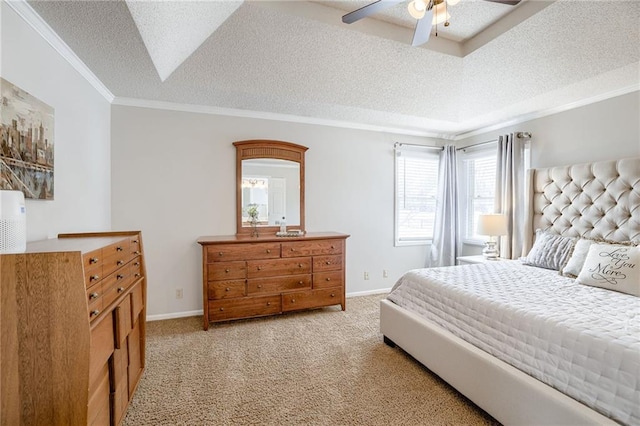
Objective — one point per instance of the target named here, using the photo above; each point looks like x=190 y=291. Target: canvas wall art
x=26 y=149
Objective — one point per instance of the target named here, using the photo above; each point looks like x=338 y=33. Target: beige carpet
x=321 y=367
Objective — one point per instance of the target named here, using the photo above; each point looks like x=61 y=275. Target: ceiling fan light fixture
x=440 y=14
x=453 y=2
x=417 y=8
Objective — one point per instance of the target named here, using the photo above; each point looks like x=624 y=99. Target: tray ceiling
x=297 y=60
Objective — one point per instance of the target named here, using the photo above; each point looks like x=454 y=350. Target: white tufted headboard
x=594 y=200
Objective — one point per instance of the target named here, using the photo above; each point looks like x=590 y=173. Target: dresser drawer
x=114 y=262
x=226 y=252
x=220 y=310
x=328 y=279
x=134 y=246
x=226 y=271
x=117 y=249
x=226 y=289
x=94 y=301
x=311 y=248
x=102 y=346
x=92 y=259
x=114 y=285
x=98 y=408
x=136 y=268
x=93 y=275
x=311 y=299
x=277 y=284
x=327 y=263
x=277 y=267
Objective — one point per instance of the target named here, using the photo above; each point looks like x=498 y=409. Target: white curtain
x=510 y=193
x=445 y=232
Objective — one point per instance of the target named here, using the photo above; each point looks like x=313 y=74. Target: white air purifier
x=13 y=222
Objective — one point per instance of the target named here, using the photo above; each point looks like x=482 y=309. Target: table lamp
x=492 y=225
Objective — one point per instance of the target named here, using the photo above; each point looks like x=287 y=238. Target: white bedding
x=583 y=341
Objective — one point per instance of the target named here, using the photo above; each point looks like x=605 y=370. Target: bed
x=528 y=344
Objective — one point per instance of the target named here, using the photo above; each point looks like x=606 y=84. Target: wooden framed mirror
x=270 y=184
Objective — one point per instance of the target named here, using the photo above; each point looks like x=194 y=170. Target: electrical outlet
x=385 y=274
x=178 y=293
x=366 y=275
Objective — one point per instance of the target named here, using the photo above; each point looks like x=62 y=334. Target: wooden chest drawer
x=311 y=299
x=102 y=345
x=92 y=259
x=226 y=289
x=278 y=267
x=93 y=275
x=94 y=301
x=226 y=252
x=114 y=285
x=114 y=262
x=311 y=248
x=278 y=284
x=98 y=411
x=328 y=279
x=220 y=310
x=226 y=271
x=117 y=249
x=327 y=263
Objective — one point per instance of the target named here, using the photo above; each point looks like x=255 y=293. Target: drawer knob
x=93 y=296
x=328 y=279
x=94 y=313
x=300 y=282
x=118 y=248
x=299 y=265
x=227 y=289
x=328 y=262
x=136 y=252
x=292 y=249
x=293 y=300
x=259 y=268
x=120 y=289
x=268 y=303
x=226 y=270
x=221 y=309
x=137 y=275
x=119 y=277
x=333 y=295
x=268 y=250
x=259 y=285
x=332 y=247
x=120 y=262
x=93 y=260
x=135 y=241
x=220 y=254
x=136 y=264
x=94 y=277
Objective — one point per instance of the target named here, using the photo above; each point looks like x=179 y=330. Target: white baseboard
x=199 y=312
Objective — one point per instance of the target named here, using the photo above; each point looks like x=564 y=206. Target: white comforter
x=583 y=341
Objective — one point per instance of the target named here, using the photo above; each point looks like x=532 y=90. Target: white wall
x=81 y=132
x=173 y=177
x=604 y=130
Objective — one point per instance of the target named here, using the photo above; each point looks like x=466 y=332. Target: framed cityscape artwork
x=26 y=147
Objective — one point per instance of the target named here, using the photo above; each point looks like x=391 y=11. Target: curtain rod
x=519 y=135
x=399 y=144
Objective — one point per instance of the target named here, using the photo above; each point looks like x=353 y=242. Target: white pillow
x=579 y=255
x=613 y=267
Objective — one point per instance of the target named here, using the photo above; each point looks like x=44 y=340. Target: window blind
x=480 y=182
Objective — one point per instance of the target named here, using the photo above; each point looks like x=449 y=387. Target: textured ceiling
x=297 y=58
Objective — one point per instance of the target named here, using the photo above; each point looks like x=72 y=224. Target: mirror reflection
x=270 y=191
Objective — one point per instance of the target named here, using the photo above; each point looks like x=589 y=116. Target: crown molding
x=31 y=17
x=550 y=111
x=233 y=112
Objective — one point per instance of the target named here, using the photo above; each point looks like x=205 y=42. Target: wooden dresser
x=245 y=277
x=73 y=329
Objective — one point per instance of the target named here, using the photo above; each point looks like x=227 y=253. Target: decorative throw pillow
x=579 y=255
x=550 y=251
x=613 y=267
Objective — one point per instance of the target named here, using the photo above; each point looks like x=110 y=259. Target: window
x=416 y=190
x=477 y=189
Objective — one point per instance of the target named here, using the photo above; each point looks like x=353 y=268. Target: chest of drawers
x=73 y=329
x=247 y=277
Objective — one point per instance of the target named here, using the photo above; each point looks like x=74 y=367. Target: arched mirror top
x=269 y=186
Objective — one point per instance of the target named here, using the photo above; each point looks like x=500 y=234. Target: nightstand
x=468 y=260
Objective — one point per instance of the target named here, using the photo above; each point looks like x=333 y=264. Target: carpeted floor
x=321 y=367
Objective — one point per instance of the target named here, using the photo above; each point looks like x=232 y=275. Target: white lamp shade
x=417 y=9
x=492 y=224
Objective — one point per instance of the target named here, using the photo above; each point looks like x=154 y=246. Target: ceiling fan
x=422 y=10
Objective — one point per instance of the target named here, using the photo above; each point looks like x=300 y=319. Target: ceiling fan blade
x=508 y=2
x=367 y=10
x=423 y=29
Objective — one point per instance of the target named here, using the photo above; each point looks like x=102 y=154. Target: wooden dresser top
x=83 y=245
x=217 y=239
